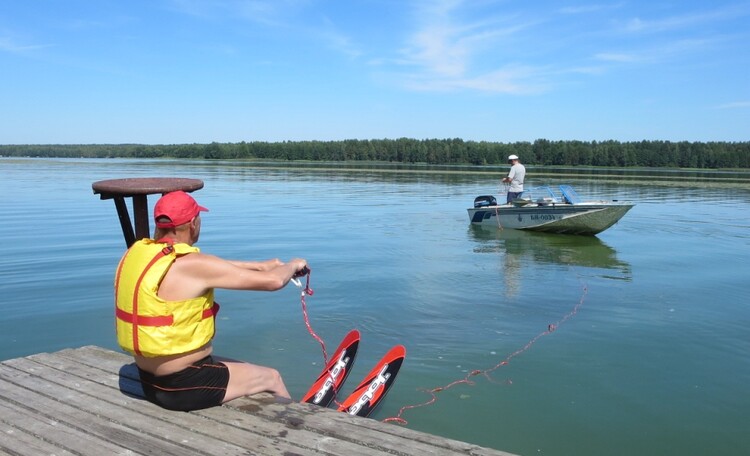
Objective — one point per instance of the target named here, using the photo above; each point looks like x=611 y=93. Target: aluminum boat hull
x=587 y=218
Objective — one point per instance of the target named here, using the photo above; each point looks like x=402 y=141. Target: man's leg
x=246 y=379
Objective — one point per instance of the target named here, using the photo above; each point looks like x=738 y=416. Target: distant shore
x=542 y=152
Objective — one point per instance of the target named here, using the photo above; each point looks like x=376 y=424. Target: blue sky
x=190 y=71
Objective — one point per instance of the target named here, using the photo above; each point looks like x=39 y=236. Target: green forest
x=713 y=155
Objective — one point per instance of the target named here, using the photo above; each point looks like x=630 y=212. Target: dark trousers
x=512 y=196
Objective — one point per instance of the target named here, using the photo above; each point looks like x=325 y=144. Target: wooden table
x=139 y=188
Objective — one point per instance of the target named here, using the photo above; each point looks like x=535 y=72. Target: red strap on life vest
x=161 y=320
x=136 y=321
x=210 y=313
x=141 y=320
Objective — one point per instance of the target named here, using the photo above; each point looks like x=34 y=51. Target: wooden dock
x=88 y=401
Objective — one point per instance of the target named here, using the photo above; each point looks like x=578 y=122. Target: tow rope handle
x=304 y=272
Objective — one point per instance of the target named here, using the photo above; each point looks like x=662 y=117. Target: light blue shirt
x=517 y=175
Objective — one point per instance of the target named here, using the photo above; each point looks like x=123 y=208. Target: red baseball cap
x=178 y=207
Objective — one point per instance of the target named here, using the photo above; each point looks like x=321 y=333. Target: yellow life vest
x=148 y=325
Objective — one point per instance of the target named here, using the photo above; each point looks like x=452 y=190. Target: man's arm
x=191 y=275
x=258 y=265
x=220 y=273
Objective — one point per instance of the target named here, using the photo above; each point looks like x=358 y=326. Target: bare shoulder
x=189 y=276
x=201 y=261
x=192 y=274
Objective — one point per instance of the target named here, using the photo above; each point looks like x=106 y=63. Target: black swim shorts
x=201 y=385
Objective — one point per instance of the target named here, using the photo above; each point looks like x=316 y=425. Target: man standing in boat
x=515 y=178
x=165 y=312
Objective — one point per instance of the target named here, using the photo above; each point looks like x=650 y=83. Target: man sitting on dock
x=164 y=291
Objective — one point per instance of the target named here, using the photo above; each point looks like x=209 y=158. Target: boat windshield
x=547 y=194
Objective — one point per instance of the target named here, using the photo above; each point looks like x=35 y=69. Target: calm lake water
x=650 y=350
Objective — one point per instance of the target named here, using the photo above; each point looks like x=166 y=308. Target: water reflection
x=522 y=249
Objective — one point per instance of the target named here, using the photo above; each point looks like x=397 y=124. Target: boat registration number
x=543 y=217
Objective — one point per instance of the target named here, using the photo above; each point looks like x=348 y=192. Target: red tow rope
x=307 y=291
x=485 y=372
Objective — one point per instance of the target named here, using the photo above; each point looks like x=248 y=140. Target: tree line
x=456 y=151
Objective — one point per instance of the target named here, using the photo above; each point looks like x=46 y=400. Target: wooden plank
x=144 y=418
x=302 y=437
x=16 y=441
x=341 y=427
x=365 y=432
x=238 y=424
x=34 y=434
x=98 y=419
x=96 y=394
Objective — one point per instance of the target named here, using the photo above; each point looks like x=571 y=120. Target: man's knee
x=274 y=376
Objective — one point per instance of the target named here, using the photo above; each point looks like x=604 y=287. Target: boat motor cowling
x=485 y=200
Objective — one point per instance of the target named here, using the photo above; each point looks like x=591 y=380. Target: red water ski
x=371 y=391
x=329 y=382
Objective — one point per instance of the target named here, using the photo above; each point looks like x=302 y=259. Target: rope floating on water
x=398 y=418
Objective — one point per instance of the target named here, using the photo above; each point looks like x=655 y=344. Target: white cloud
x=617 y=57
x=286 y=15
x=9 y=45
x=337 y=40
x=266 y=12
x=735 y=105
x=511 y=80
x=654 y=54
x=679 y=22
x=447 y=51
x=518 y=80
x=591 y=8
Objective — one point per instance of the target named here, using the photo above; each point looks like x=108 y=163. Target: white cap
x=513 y=157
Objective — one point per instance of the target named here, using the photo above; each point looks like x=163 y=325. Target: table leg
x=140 y=211
x=122 y=213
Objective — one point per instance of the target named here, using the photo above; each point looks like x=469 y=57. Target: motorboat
x=548 y=209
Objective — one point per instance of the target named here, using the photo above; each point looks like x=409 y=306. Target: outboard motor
x=484 y=201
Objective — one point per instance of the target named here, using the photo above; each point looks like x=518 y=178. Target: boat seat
x=569 y=194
